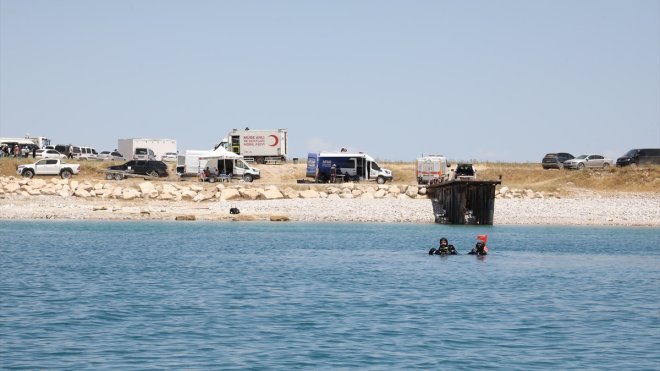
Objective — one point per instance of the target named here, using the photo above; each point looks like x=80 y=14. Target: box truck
x=432 y=169
x=219 y=163
x=145 y=149
x=343 y=166
x=260 y=146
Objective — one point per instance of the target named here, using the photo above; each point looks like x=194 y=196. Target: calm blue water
x=178 y=295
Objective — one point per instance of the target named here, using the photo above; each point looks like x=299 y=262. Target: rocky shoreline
x=55 y=198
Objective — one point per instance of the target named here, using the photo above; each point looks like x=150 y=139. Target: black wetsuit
x=443 y=250
x=478 y=250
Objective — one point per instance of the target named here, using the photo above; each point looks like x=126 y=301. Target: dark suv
x=556 y=160
x=151 y=168
x=640 y=157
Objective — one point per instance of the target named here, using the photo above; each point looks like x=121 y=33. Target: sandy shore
x=623 y=209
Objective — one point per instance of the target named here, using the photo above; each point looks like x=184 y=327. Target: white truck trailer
x=130 y=148
x=260 y=146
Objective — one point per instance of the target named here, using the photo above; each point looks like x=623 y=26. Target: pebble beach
x=620 y=209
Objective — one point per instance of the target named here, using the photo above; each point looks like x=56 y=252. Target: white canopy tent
x=220 y=153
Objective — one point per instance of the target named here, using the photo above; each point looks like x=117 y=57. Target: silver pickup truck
x=48 y=166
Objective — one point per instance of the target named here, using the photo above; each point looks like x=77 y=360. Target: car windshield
x=631 y=153
x=581 y=157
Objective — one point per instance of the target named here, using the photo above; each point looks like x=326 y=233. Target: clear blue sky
x=485 y=80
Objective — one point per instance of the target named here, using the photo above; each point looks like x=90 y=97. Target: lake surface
x=178 y=295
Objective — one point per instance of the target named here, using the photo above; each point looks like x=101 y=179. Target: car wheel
x=108 y=176
x=247 y=178
x=380 y=180
x=119 y=176
x=580 y=166
x=66 y=174
x=154 y=174
x=606 y=166
x=28 y=174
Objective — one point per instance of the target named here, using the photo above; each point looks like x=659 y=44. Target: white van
x=143 y=153
x=88 y=153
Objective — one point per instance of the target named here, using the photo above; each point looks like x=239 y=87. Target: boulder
x=130 y=194
x=250 y=194
x=412 y=191
x=309 y=193
x=185 y=217
x=290 y=193
x=87 y=187
x=148 y=190
x=279 y=218
x=203 y=196
x=80 y=192
x=271 y=193
x=12 y=187
x=229 y=194
x=188 y=193
x=168 y=188
x=380 y=193
x=37 y=183
x=166 y=196
x=33 y=192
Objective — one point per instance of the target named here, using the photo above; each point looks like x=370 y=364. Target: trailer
x=260 y=146
x=332 y=167
x=145 y=149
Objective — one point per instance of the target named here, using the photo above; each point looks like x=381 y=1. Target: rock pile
x=506 y=192
x=198 y=192
x=175 y=191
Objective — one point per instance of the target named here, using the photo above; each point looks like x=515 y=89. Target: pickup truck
x=48 y=166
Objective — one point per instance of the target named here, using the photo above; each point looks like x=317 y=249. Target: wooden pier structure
x=463 y=201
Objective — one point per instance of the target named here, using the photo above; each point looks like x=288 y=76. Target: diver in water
x=444 y=249
x=479 y=249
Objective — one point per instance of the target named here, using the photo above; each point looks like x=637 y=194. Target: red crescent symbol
x=277 y=140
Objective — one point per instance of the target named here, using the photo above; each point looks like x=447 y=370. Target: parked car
x=48 y=153
x=555 y=160
x=151 y=168
x=110 y=156
x=88 y=153
x=643 y=156
x=464 y=172
x=169 y=156
x=588 y=161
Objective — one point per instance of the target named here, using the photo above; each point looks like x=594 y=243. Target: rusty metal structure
x=463 y=201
